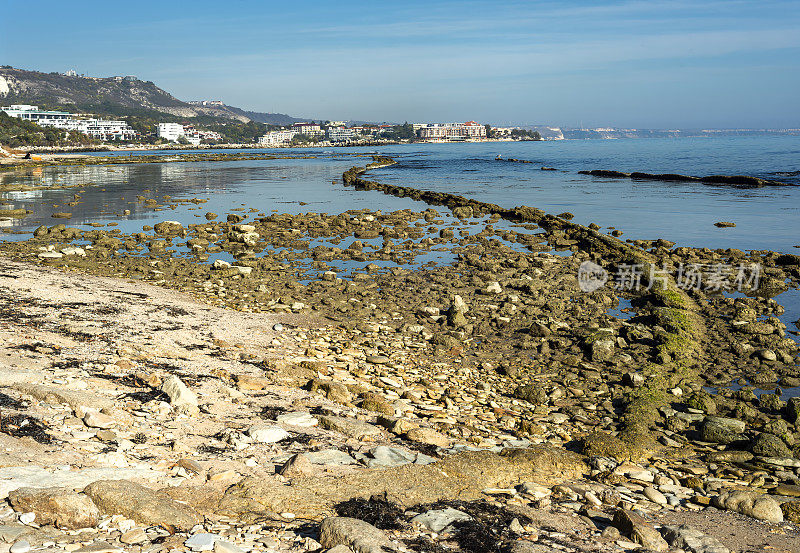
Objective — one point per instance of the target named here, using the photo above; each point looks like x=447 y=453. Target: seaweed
x=24 y=426
x=377 y=510
x=487 y=531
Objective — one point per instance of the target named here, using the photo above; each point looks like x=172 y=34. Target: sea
x=310 y=181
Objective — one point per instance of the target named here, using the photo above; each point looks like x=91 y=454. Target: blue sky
x=643 y=64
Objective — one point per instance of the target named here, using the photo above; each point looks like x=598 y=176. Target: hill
x=115 y=96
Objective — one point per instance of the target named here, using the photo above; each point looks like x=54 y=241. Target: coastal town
x=297 y=134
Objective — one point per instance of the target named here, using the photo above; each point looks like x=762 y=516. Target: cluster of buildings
x=175 y=131
x=100 y=129
x=449 y=132
x=337 y=131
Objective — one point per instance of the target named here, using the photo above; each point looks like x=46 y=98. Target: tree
x=489 y=133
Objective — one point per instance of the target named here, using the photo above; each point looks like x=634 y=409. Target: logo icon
x=591 y=276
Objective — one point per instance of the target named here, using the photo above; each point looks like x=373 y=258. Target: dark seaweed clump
x=377 y=510
x=25 y=426
x=487 y=531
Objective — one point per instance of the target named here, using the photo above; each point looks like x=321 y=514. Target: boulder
x=181 y=398
x=360 y=536
x=722 y=430
x=750 y=504
x=61 y=507
x=769 y=445
x=141 y=504
x=692 y=540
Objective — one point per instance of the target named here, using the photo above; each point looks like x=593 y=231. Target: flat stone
x=12 y=478
x=789 y=490
x=329 y=457
x=692 y=540
x=222 y=546
x=428 y=436
x=133 y=536
x=96 y=419
x=22 y=546
x=10 y=532
x=385 y=456
x=298 y=418
x=267 y=434
x=350 y=427
x=377 y=359
x=437 y=520
x=99 y=547
x=201 y=541
x=141 y=504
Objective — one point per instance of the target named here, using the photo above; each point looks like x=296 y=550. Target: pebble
x=655 y=496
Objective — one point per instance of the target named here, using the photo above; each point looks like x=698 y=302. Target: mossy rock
x=703 y=401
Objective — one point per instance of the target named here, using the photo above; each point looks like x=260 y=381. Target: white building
x=35 y=115
x=175 y=131
x=453 y=131
x=100 y=129
x=107 y=130
x=309 y=129
x=277 y=138
x=340 y=134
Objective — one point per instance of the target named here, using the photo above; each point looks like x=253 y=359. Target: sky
x=634 y=64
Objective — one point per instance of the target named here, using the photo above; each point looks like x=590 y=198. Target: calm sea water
x=766 y=218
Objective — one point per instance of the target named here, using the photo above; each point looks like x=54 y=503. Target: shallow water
x=766 y=218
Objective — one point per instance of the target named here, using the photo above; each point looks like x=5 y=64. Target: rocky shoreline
x=295 y=399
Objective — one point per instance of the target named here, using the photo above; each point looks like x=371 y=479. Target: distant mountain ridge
x=115 y=96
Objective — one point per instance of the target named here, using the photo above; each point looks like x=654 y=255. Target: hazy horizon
x=675 y=64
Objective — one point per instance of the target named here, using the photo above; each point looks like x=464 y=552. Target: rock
x=385 y=456
x=655 y=496
x=141 y=504
x=602 y=350
x=692 y=540
x=358 y=535
x=722 y=430
x=249 y=383
x=134 y=536
x=201 y=541
x=222 y=546
x=791 y=511
x=297 y=465
x=98 y=547
x=792 y=409
x=729 y=456
x=493 y=288
x=639 y=530
x=180 y=396
x=525 y=546
x=769 y=445
x=437 y=520
x=330 y=457
x=10 y=532
x=377 y=359
x=61 y=507
x=751 y=504
x=22 y=546
x=96 y=419
x=350 y=427
x=267 y=434
x=298 y=418
x=334 y=391
x=166 y=228
x=428 y=436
